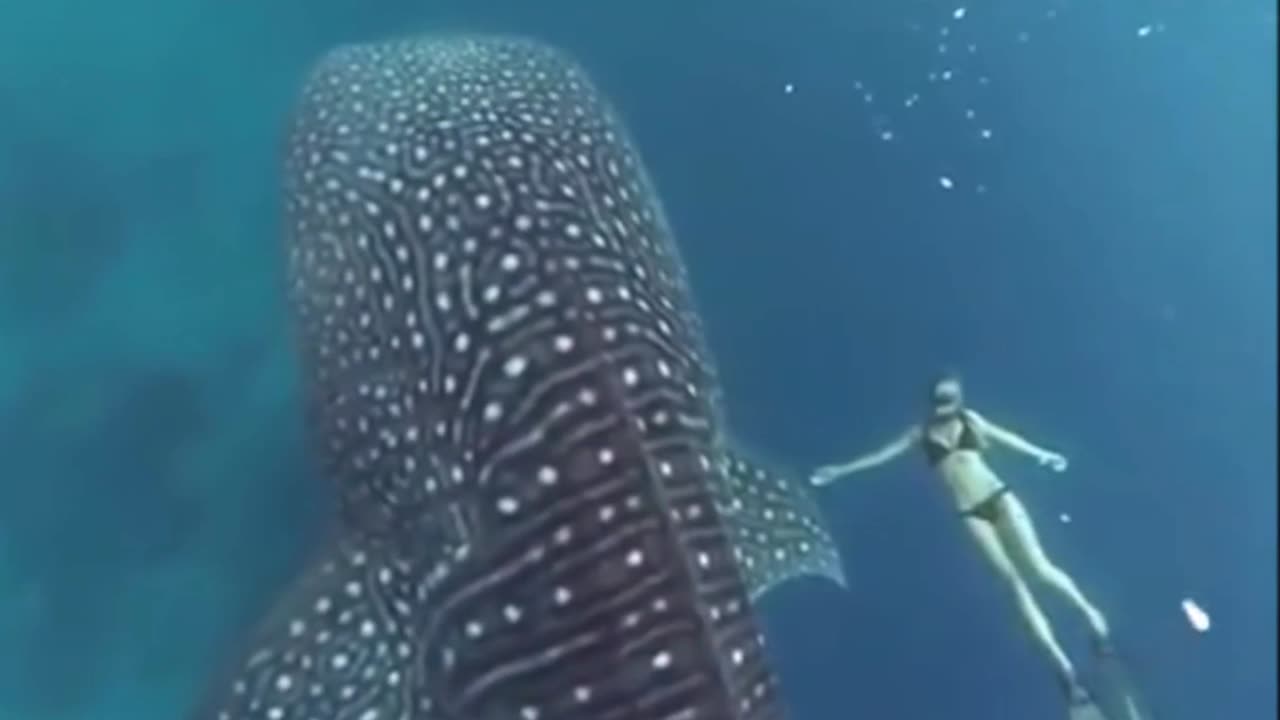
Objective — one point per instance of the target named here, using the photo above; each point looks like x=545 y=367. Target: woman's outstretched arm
x=830 y=473
x=1014 y=441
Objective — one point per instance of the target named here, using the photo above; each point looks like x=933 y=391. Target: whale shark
x=539 y=513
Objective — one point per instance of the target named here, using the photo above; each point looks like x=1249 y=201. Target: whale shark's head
x=472 y=240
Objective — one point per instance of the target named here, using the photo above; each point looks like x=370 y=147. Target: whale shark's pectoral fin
x=336 y=646
x=778 y=530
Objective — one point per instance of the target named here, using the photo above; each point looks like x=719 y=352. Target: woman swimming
x=953 y=438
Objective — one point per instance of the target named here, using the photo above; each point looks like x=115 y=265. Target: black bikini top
x=936 y=450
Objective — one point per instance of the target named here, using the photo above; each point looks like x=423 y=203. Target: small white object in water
x=789 y=88
x=986 y=133
x=945 y=182
x=1065 y=518
x=946 y=74
x=969 y=113
x=886 y=135
x=959 y=13
x=1198 y=618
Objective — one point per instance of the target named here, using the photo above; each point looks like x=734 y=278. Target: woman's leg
x=1017 y=530
x=988 y=538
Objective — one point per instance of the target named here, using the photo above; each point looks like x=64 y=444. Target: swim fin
x=1080 y=705
x=1111 y=680
x=1085 y=711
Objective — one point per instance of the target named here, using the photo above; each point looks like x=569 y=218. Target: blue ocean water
x=1101 y=268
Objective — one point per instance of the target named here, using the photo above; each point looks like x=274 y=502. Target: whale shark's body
x=540 y=516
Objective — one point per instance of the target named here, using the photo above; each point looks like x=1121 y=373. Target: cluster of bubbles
x=956 y=41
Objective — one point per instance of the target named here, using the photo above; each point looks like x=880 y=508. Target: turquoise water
x=1102 y=269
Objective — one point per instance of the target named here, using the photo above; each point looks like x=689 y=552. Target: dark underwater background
x=1101 y=268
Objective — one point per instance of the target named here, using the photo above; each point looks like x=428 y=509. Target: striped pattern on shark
x=509 y=388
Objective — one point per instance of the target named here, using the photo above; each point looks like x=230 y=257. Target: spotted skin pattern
x=509 y=390
x=777 y=528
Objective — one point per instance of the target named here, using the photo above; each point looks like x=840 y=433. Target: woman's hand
x=825 y=475
x=1053 y=461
